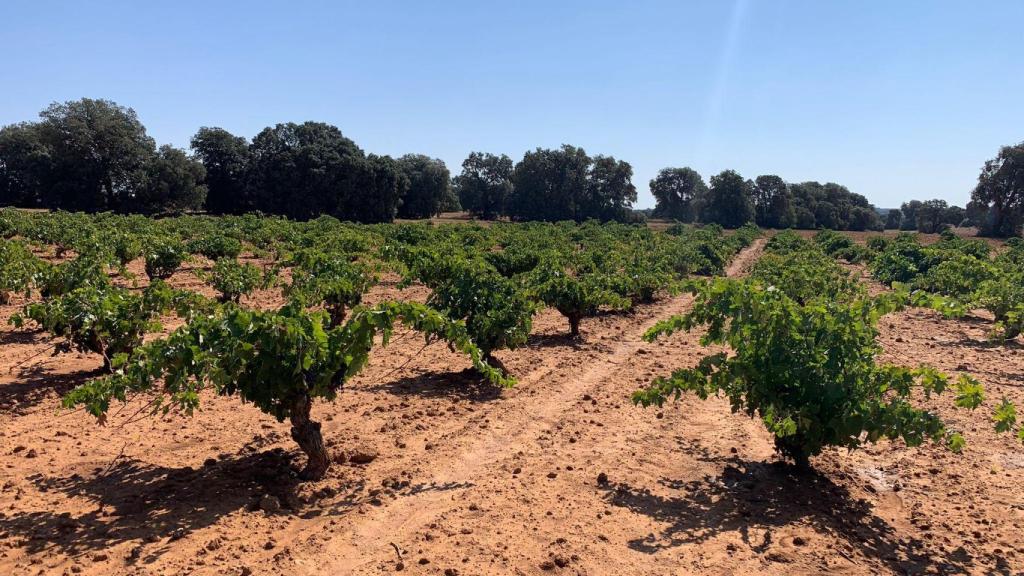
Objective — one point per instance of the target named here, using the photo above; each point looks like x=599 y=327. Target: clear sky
x=896 y=99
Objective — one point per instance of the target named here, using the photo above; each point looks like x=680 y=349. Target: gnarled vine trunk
x=306 y=433
x=574 y=325
x=495 y=363
x=337 y=313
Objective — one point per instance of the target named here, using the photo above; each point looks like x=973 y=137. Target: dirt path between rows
x=520 y=425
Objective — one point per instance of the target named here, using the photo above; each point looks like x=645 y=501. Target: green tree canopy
x=677 y=192
x=24 y=165
x=429 y=183
x=306 y=170
x=172 y=183
x=94 y=155
x=610 y=189
x=550 y=184
x=893 y=219
x=997 y=202
x=485 y=184
x=226 y=159
x=567 y=184
x=728 y=201
x=773 y=204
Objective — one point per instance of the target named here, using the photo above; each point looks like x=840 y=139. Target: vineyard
x=255 y=395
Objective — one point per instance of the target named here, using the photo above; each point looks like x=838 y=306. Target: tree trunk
x=495 y=363
x=307 y=434
x=337 y=313
x=97 y=346
x=792 y=447
x=574 y=326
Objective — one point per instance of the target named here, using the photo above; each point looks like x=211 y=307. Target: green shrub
x=163 y=258
x=215 y=247
x=496 y=312
x=19 y=268
x=84 y=271
x=103 y=320
x=575 y=295
x=232 y=280
x=255 y=354
x=331 y=280
x=807 y=371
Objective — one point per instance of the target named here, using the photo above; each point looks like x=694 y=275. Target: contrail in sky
x=713 y=112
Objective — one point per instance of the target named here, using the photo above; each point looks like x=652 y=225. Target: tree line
x=95 y=155
x=768 y=200
x=551 y=185
x=996 y=207
x=928 y=216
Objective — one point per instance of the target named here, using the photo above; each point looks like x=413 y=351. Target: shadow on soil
x=565 y=340
x=981 y=343
x=34 y=385
x=155 y=506
x=22 y=337
x=465 y=385
x=752 y=497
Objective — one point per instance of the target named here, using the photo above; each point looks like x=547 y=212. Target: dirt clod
x=270 y=504
x=363 y=456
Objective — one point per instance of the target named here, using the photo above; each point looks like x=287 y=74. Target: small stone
x=517 y=470
x=424 y=561
x=561 y=561
x=778 y=556
x=602 y=479
x=362 y=456
x=547 y=565
x=210 y=462
x=552 y=474
x=270 y=504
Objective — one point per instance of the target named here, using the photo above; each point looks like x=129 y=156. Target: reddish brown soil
x=467 y=479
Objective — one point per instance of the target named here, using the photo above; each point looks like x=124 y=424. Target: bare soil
x=439 y=473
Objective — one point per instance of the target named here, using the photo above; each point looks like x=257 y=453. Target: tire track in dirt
x=369 y=539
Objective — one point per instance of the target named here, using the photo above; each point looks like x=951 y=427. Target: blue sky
x=895 y=99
